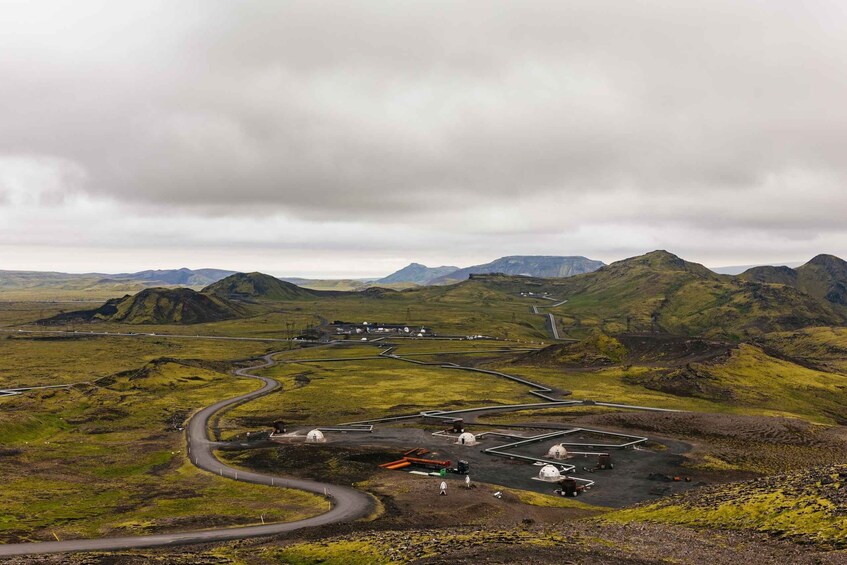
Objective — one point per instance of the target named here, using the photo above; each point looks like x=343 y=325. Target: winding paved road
x=347 y=503
x=554 y=330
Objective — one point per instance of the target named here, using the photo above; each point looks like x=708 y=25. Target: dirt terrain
x=753 y=443
x=639 y=474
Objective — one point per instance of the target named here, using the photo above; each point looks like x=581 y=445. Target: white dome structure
x=549 y=473
x=558 y=451
x=466 y=438
x=315 y=436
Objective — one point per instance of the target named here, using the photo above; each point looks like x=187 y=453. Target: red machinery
x=408 y=461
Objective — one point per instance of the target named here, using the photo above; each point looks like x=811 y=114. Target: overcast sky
x=350 y=138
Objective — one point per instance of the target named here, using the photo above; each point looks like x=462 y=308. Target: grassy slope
x=104 y=461
x=685 y=298
x=808 y=506
x=824 y=347
x=759 y=384
x=383 y=549
x=177 y=306
x=38 y=361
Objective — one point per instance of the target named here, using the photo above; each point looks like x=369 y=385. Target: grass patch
x=808 y=507
x=324 y=393
x=110 y=460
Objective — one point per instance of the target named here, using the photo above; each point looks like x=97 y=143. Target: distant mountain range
x=185 y=277
x=125 y=281
x=414 y=274
x=655 y=292
x=541 y=266
x=417 y=274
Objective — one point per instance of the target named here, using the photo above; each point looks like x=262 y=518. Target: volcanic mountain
x=417 y=274
x=824 y=277
x=257 y=286
x=541 y=266
x=158 y=306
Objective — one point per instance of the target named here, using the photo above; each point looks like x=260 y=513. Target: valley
x=731 y=381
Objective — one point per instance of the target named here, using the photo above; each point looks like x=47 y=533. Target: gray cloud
x=524 y=119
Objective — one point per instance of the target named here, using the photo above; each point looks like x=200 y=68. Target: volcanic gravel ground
x=639 y=474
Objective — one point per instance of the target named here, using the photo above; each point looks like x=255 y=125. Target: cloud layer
x=384 y=132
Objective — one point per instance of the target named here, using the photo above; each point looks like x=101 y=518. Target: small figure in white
x=443 y=488
x=467 y=481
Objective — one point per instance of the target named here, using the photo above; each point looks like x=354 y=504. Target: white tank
x=466 y=439
x=315 y=436
x=549 y=473
x=558 y=451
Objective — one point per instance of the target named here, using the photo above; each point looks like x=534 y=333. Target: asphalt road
x=554 y=331
x=347 y=504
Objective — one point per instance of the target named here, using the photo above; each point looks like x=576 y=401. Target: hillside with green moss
x=655 y=293
x=258 y=286
x=808 y=506
x=824 y=277
x=158 y=306
x=660 y=292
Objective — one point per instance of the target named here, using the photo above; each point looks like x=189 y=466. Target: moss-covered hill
x=258 y=286
x=659 y=292
x=824 y=277
x=159 y=306
x=808 y=506
x=223 y=300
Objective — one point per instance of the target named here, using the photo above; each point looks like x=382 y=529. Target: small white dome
x=315 y=436
x=466 y=438
x=558 y=451
x=549 y=473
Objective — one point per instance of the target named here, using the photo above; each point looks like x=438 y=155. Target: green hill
x=258 y=286
x=158 y=306
x=807 y=506
x=824 y=277
x=660 y=292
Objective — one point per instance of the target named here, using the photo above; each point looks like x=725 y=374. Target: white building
x=466 y=438
x=315 y=436
x=549 y=473
x=558 y=451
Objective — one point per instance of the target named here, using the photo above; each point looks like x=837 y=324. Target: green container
x=443 y=472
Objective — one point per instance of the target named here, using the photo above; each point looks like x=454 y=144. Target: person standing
x=467 y=481
x=443 y=489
